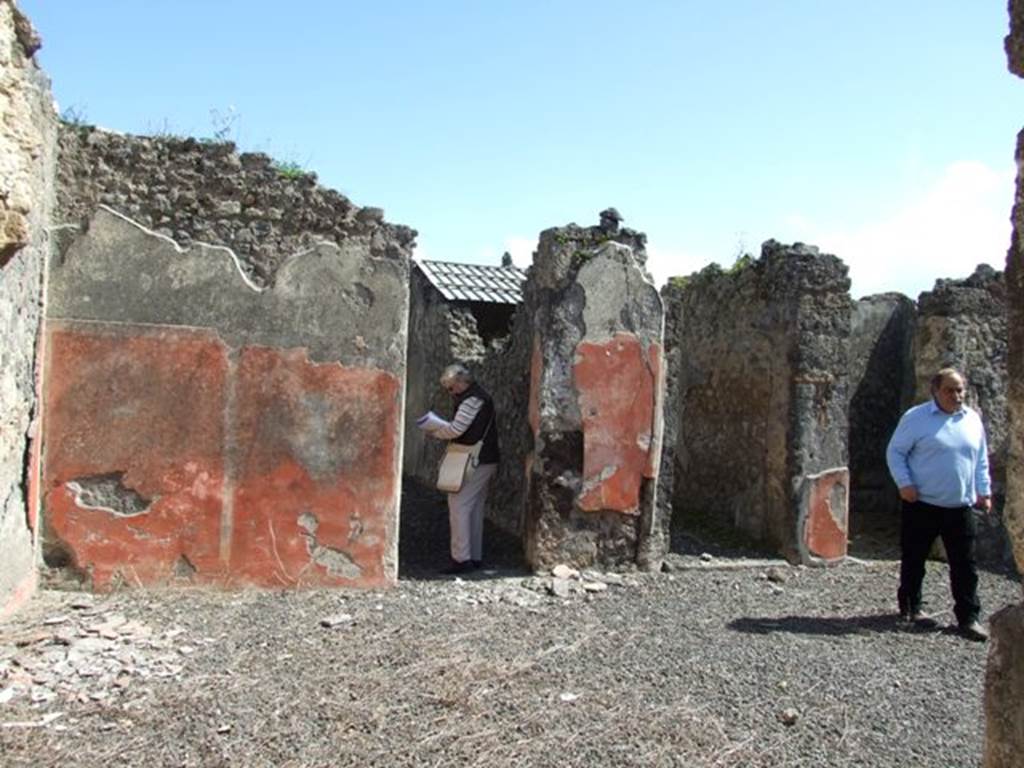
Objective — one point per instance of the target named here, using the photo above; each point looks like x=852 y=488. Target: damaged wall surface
x=761 y=441
x=27 y=148
x=1004 y=677
x=597 y=333
x=964 y=323
x=224 y=417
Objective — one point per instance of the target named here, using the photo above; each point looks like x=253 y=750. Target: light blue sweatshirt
x=944 y=455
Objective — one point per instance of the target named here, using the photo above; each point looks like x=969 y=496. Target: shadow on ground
x=423 y=539
x=821 y=625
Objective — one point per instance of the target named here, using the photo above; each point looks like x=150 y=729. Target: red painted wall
x=259 y=466
x=617 y=385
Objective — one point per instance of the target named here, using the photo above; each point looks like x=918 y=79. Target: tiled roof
x=475 y=282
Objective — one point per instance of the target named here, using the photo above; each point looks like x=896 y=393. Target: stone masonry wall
x=881 y=388
x=1004 y=676
x=189 y=190
x=219 y=416
x=761 y=443
x=27 y=147
x=596 y=333
x=672 y=299
x=964 y=323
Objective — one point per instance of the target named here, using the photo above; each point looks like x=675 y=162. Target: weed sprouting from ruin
x=75 y=115
x=289 y=169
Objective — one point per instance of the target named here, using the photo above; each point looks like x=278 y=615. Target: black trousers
x=921 y=523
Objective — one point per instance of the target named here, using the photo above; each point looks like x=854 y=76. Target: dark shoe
x=922 y=620
x=972 y=630
x=456 y=567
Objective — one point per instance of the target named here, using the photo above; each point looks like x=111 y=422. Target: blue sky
x=880 y=131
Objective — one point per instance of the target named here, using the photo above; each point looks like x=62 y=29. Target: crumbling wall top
x=194 y=190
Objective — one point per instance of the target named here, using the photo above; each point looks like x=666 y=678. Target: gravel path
x=720 y=662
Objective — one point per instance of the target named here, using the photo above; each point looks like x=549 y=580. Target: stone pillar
x=762 y=388
x=27 y=150
x=595 y=400
x=964 y=323
x=1004 y=679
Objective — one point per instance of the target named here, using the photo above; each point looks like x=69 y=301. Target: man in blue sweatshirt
x=938 y=457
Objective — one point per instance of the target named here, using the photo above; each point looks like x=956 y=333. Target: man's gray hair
x=942 y=374
x=456 y=372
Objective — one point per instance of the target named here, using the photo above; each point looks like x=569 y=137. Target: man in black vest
x=474 y=420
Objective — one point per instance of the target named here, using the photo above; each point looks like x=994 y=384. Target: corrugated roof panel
x=475 y=282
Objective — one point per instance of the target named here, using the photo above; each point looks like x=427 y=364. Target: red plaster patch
x=146 y=404
x=826 y=534
x=617 y=389
x=316 y=492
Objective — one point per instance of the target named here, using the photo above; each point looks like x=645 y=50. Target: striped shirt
x=464 y=416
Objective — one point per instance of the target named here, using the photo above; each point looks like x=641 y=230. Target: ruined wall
x=596 y=333
x=761 y=444
x=226 y=417
x=189 y=189
x=881 y=388
x=1004 y=676
x=27 y=140
x=964 y=323
x=672 y=300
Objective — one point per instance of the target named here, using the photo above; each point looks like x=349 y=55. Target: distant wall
x=964 y=323
x=762 y=386
x=214 y=415
x=881 y=388
x=27 y=145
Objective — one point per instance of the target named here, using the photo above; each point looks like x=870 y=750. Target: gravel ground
x=720 y=662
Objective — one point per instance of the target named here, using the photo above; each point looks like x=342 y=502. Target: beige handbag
x=459 y=462
x=457 y=465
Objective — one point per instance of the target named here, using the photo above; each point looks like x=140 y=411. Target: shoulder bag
x=458 y=463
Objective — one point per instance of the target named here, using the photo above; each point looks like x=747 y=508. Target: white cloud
x=958 y=222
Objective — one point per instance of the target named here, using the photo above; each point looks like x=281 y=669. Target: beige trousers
x=466 y=515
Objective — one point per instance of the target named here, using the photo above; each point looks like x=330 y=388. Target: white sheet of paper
x=430 y=421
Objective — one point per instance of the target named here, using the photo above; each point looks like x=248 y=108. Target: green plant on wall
x=289 y=169
x=742 y=262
